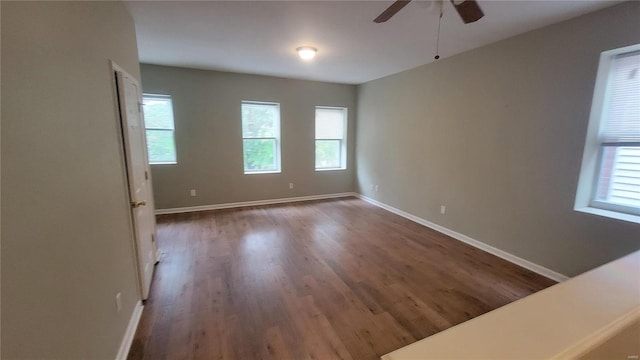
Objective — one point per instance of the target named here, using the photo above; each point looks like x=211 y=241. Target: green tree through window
x=158 y=119
x=260 y=137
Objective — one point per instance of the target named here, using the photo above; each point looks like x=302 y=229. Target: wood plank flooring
x=336 y=279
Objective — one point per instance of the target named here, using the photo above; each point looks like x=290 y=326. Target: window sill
x=332 y=169
x=610 y=214
x=263 y=172
x=163 y=163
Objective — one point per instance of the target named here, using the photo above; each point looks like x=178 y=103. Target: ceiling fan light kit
x=306 y=52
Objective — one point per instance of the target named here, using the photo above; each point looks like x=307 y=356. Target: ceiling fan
x=469 y=10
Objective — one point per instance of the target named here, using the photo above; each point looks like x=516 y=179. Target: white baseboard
x=456 y=235
x=251 y=203
x=473 y=242
x=127 y=340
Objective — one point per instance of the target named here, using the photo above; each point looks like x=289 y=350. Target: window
x=158 y=119
x=261 y=137
x=611 y=162
x=331 y=143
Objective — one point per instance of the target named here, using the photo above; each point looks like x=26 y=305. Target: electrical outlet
x=193 y=192
x=376 y=188
x=443 y=209
x=290 y=185
x=119 y=302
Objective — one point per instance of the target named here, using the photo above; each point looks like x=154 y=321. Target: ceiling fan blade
x=469 y=10
x=391 y=10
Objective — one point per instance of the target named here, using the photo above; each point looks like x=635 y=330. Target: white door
x=135 y=148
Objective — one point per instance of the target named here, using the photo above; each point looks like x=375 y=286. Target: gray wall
x=496 y=134
x=209 y=137
x=66 y=231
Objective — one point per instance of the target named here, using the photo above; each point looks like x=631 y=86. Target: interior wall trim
x=468 y=240
x=252 y=203
x=127 y=340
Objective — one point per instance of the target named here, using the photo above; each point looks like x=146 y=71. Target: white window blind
x=618 y=185
x=330 y=138
x=621 y=116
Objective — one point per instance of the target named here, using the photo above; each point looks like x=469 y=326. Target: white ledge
x=610 y=214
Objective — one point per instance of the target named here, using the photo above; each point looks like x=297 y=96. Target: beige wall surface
x=496 y=134
x=66 y=229
x=209 y=137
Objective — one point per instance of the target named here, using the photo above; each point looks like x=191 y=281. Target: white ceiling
x=260 y=37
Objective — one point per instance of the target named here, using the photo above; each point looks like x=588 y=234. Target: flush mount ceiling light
x=306 y=52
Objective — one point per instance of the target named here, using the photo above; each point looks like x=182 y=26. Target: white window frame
x=343 y=141
x=173 y=130
x=593 y=150
x=276 y=138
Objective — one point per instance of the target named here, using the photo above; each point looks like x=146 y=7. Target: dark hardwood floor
x=337 y=279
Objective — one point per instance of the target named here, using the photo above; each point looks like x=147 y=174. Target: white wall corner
x=473 y=242
x=127 y=339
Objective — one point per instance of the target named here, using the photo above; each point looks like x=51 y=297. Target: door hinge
x=153 y=238
x=146 y=175
x=140 y=106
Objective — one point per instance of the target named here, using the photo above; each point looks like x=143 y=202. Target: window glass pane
x=330 y=123
x=260 y=120
x=161 y=146
x=260 y=155
x=328 y=154
x=619 y=180
x=158 y=112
